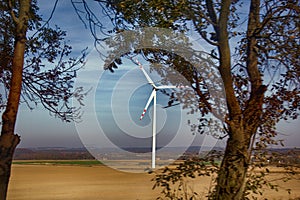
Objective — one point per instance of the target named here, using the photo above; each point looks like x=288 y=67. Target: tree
x=260 y=73
x=34 y=69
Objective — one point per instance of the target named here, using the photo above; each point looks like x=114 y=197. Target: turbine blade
x=145 y=73
x=170 y=87
x=148 y=103
x=166 y=87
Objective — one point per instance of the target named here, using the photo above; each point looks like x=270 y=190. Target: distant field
x=57 y=162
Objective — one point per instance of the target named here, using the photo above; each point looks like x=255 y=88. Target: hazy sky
x=125 y=92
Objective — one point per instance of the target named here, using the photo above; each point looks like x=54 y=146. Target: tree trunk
x=242 y=123
x=8 y=143
x=8 y=139
x=232 y=174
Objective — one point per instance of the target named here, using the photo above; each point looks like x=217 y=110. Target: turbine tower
x=153 y=97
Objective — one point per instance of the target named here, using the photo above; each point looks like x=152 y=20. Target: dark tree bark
x=242 y=124
x=8 y=139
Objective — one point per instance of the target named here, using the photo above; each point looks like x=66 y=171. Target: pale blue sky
x=38 y=129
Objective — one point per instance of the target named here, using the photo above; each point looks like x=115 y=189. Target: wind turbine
x=153 y=97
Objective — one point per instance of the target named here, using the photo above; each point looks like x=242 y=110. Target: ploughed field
x=78 y=180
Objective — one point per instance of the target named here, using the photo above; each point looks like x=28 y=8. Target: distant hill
x=283 y=155
x=52 y=153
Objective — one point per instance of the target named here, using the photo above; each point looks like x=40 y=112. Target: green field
x=58 y=162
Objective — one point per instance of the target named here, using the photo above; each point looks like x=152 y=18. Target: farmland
x=70 y=180
x=36 y=177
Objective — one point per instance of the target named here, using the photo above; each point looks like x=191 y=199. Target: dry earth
x=52 y=182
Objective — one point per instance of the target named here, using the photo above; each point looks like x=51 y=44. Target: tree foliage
x=277 y=42
x=175 y=180
x=33 y=70
x=49 y=68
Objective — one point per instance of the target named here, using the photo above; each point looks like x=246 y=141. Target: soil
x=54 y=182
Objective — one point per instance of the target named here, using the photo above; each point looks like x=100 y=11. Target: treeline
x=52 y=154
x=285 y=157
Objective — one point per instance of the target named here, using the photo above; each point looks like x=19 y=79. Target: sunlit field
x=77 y=180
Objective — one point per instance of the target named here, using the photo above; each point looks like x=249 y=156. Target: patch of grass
x=59 y=162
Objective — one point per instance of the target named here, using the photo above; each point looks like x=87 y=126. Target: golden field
x=98 y=182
